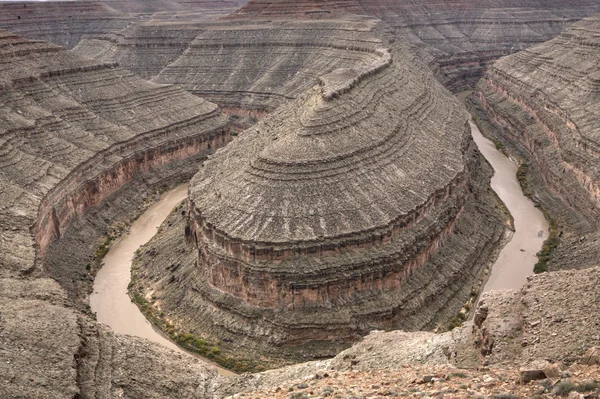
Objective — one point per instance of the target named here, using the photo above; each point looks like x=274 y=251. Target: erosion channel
x=109 y=299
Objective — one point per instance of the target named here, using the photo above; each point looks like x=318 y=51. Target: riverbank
x=518 y=258
x=109 y=300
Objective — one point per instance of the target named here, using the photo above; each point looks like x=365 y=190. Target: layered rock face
x=544 y=103
x=246 y=67
x=463 y=36
x=66 y=22
x=50 y=351
x=63 y=23
x=73 y=132
x=358 y=206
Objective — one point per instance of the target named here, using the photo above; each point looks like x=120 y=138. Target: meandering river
x=109 y=300
x=113 y=306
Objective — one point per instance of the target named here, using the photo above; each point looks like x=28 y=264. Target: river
x=518 y=257
x=109 y=299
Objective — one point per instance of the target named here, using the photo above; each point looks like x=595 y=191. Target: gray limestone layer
x=544 y=104
x=73 y=133
x=245 y=67
x=463 y=37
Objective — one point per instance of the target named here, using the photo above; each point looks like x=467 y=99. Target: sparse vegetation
x=103 y=249
x=201 y=345
x=563 y=388
x=587 y=386
x=553 y=240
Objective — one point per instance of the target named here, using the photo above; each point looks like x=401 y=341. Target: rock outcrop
x=462 y=36
x=356 y=207
x=552 y=320
x=73 y=132
x=48 y=350
x=543 y=103
x=66 y=22
x=227 y=62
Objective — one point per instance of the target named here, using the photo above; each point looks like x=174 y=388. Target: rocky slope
x=548 y=325
x=66 y=22
x=73 y=132
x=543 y=103
x=362 y=205
x=248 y=68
x=459 y=38
x=462 y=36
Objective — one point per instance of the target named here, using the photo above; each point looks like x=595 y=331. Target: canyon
x=352 y=199
x=542 y=103
x=325 y=220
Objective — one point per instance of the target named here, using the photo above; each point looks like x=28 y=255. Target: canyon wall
x=247 y=68
x=67 y=22
x=462 y=36
x=543 y=103
x=73 y=132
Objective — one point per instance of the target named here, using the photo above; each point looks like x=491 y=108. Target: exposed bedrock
x=554 y=318
x=544 y=103
x=50 y=351
x=361 y=205
x=463 y=36
x=66 y=22
x=248 y=68
x=73 y=132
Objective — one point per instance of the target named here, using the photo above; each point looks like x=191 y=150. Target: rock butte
x=357 y=206
x=544 y=103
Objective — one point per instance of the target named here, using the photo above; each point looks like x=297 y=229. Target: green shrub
x=563 y=388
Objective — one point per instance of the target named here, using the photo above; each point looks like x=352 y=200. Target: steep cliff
x=73 y=132
x=543 y=103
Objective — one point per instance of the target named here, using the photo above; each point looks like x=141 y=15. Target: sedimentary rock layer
x=544 y=102
x=66 y=22
x=358 y=206
x=246 y=67
x=63 y=23
x=463 y=36
x=73 y=131
x=50 y=351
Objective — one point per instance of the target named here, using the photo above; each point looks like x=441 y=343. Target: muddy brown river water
x=517 y=258
x=109 y=300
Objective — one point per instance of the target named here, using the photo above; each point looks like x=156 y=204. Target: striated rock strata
x=67 y=22
x=247 y=68
x=73 y=132
x=544 y=104
x=50 y=351
x=361 y=205
x=462 y=36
